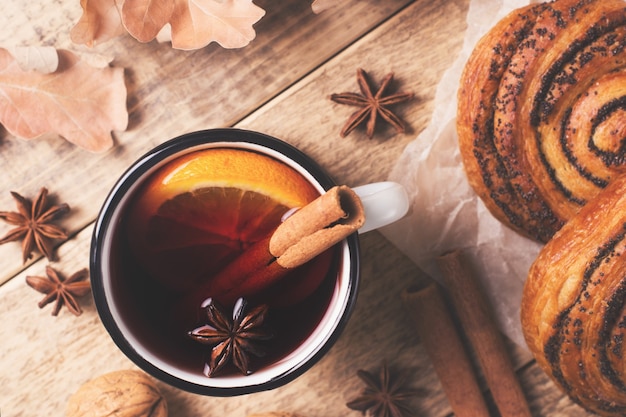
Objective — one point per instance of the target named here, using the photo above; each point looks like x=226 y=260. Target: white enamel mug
x=384 y=202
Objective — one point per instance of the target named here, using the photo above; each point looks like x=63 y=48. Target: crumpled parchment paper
x=445 y=212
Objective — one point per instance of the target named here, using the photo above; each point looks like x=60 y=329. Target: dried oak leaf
x=81 y=103
x=191 y=24
x=319 y=6
x=43 y=59
x=99 y=22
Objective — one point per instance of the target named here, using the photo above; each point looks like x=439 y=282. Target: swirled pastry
x=542 y=112
x=574 y=304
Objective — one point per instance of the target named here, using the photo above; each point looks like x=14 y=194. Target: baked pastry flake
x=541 y=119
x=574 y=304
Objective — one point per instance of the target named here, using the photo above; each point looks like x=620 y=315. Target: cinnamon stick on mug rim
x=308 y=232
x=317 y=226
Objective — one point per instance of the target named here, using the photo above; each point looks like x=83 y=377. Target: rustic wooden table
x=279 y=85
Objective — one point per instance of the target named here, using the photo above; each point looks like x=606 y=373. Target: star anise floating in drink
x=385 y=395
x=232 y=338
x=63 y=291
x=371 y=105
x=34 y=224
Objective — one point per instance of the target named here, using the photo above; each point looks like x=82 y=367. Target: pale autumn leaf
x=319 y=6
x=194 y=23
x=43 y=59
x=78 y=102
x=100 y=22
x=144 y=19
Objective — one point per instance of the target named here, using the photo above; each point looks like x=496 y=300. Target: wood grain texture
x=278 y=85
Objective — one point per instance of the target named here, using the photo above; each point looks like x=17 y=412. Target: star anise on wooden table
x=63 y=291
x=34 y=224
x=371 y=105
x=385 y=395
x=232 y=338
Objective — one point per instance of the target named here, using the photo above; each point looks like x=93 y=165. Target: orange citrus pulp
x=199 y=211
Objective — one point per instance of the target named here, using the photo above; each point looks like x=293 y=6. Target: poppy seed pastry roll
x=574 y=304
x=542 y=112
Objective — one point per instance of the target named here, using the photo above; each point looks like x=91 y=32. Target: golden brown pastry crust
x=574 y=304
x=541 y=112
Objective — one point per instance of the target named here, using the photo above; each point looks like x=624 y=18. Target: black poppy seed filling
x=540 y=110
x=554 y=346
x=582 y=171
x=487 y=157
x=564 y=70
x=609 y=345
x=537 y=219
x=556 y=74
x=608 y=158
x=492 y=169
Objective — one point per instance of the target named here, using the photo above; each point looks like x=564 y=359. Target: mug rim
x=103 y=224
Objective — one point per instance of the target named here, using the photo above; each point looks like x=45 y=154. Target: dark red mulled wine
x=161 y=256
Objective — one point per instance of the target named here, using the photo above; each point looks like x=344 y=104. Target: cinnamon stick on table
x=443 y=344
x=305 y=234
x=477 y=320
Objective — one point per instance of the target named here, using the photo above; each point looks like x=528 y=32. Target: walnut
x=120 y=394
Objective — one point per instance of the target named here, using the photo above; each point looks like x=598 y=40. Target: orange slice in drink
x=200 y=211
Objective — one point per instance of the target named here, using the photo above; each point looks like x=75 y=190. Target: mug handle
x=384 y=203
